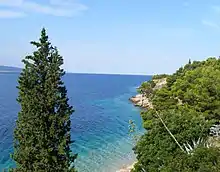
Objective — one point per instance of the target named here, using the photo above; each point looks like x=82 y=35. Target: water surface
x=99 y=123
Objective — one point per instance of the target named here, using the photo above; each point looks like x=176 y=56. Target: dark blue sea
x=99 y=123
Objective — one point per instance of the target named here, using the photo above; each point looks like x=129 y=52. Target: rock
x=160 y=83
x=136 y=99
x=147 y=103
x=141 y=101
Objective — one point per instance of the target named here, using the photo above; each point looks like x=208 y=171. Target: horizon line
x=92 y=73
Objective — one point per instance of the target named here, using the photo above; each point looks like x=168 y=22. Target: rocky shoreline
x=143 y=101
x=126 y=169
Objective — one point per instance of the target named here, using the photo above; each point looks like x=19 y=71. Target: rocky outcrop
x=160 y=83
x=141 y=101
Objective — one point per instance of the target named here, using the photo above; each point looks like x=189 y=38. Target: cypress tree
x=42 y=134
x=189 y=61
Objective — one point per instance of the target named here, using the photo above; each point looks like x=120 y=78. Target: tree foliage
x=146 y=88
x=160 y=76
x=42 y=133
x=189 y=105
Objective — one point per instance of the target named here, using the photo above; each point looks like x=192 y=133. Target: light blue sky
x=113 y=36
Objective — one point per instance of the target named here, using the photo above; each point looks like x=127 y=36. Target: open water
x=99 y=123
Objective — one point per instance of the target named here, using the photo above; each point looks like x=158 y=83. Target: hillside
x=183 y=131
x=9 y=69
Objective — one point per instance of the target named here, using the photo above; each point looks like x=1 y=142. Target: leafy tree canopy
x=188 y=106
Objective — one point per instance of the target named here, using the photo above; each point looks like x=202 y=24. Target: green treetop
x=42 y=135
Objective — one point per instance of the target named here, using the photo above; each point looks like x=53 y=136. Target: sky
x=113 y=36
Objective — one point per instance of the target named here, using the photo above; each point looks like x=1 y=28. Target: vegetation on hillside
x=178 y=127
x=42 y=135
x=159 y=76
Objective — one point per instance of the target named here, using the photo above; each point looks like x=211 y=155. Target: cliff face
x=142 y=100
x=159 y=83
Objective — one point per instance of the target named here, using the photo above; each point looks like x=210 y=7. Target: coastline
x=127 y=168
x=143 y=101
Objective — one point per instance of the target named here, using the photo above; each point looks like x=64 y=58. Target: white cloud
x=213 y=16
x=63 y=2
x=46 y=9
x=11 y=14
x=216 y=8
x=67 y=8
x=210 y=24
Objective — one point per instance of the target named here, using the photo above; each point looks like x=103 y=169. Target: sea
x=99 y=125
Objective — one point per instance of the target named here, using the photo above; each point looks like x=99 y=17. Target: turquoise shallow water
x=99 y=125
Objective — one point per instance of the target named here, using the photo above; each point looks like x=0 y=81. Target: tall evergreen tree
x=42 y=134
x=189 y=61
